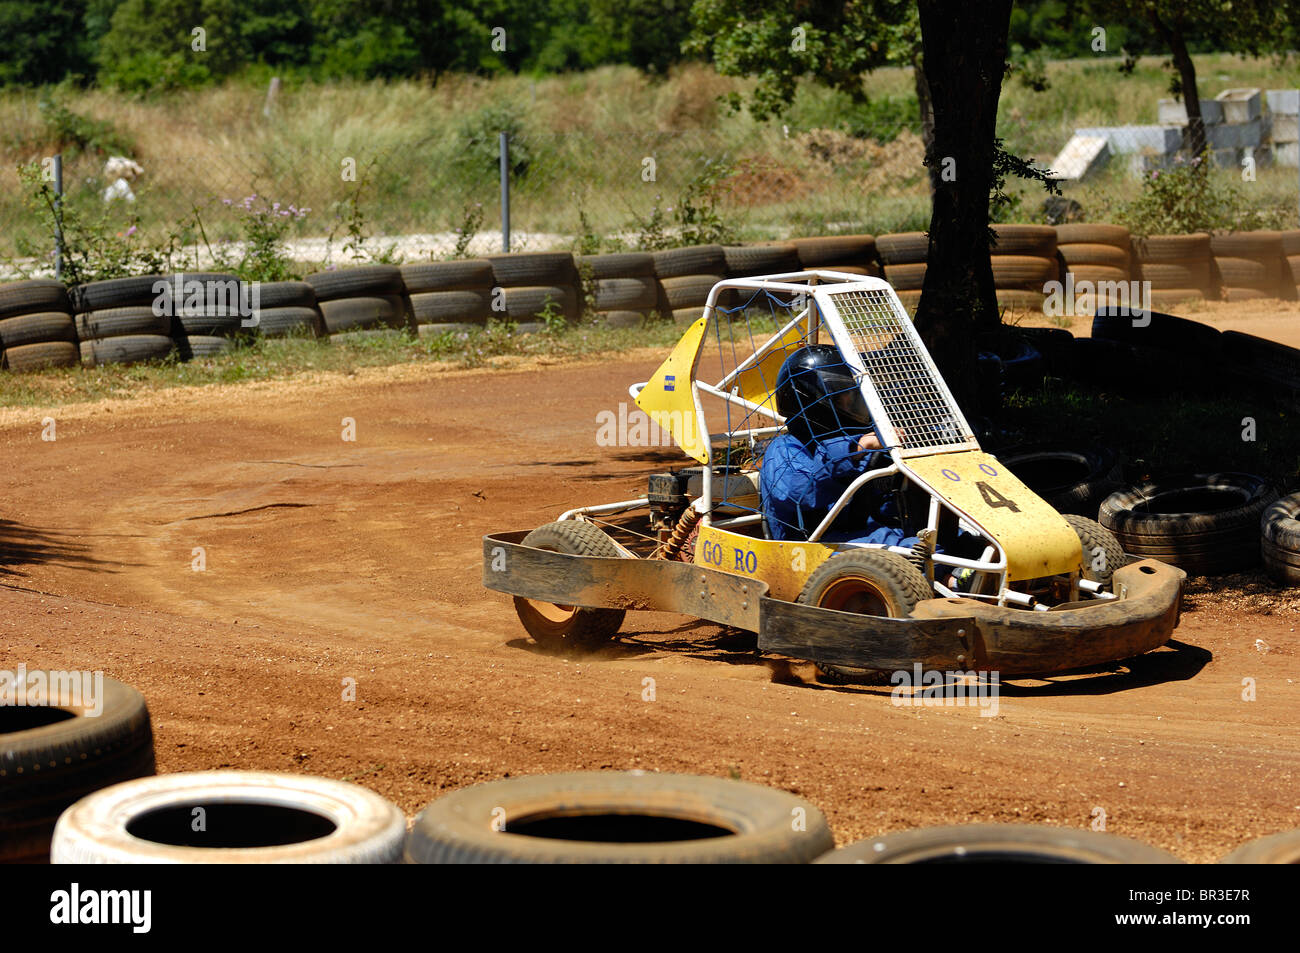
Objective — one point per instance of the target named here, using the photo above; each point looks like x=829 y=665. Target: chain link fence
x=435 y=198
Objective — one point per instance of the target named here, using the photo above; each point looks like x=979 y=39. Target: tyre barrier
x=288 y=309
x=530 y=282
x=36 y=327
x=618 y=817
x=998 y=844
x=620 y=287
x=1252 y=265
x=1194 y=342
x=1205 y=523
x=464 y=294
x=1100 y=255
x=247 y=817
x=1180 y=268
x=365 y=298
x=1279 y=527
x=116 y=323
x=851 y=254
x=53 y=754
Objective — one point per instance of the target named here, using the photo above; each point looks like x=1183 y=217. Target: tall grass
x=587 y=136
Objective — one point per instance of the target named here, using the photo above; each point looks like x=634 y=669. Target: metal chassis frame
x=843 y=281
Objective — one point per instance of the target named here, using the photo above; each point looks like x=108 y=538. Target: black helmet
x=818 y=395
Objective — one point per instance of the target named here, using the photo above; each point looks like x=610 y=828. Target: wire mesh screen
x=915 y=402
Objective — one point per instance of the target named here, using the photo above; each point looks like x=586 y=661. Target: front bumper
x=941 y=635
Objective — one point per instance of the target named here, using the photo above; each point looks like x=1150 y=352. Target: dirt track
x=329 y=560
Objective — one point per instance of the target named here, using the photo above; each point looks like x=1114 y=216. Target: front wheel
x=868 y=582
x=559 y=626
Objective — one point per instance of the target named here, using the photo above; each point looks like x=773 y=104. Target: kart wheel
x=867 y=582
x=561 y=626
x=1102 y=553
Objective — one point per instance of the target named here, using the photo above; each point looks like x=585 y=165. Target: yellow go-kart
x=1047 y=593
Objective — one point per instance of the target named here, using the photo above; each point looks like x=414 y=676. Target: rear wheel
x=561 y=626
x=867 y=582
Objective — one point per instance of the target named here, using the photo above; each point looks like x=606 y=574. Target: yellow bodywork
x=784 y=565
x=669 y=399
x=756 y=384
x=1037 y=541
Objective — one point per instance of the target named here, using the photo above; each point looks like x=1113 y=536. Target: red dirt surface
x=329 y=560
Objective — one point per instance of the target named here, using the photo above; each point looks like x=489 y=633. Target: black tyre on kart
x=867 y=582
x=561 y=626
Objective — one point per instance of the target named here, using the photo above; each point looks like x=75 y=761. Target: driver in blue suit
x=829 y=441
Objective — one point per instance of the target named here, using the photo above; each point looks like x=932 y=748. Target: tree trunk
x=965 y=52
x=1172 y=34
x=927 y=112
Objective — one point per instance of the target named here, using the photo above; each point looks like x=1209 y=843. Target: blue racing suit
x=801 y=482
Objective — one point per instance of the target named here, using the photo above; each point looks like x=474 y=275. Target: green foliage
x=264 y=226
x=479 y=142
x=176 y=44
x=835 y=43
x=695 y=219
x=471 y=221
x=72 y=132
x=350 y=220
x=44 y=42
x=1005 y=206
x=96 y=244
x=1186 y=198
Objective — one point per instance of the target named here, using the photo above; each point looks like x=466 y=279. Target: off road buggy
x=1047 y=593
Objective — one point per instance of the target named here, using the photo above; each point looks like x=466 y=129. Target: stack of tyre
x=622 y=286
x=903 y=255
x=1180 y=268
x=532 y=282
x=449 y=296
x=685 y=277
x=1101 y=255
x=1252 y=265
x=1204 y=523
x=288 y=309
x=208 y=328
x=1291 y=248
x=36 y=326
x=1024 y=260
x=371 y=298
x=748 y=261
x=117 y=322
x=852 y=254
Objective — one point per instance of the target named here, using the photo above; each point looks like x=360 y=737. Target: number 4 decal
x=995 y=499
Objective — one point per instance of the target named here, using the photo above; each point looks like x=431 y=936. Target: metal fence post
x=58 y=215
x=504 y=148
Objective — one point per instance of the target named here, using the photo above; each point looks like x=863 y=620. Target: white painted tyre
x=248 y=817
